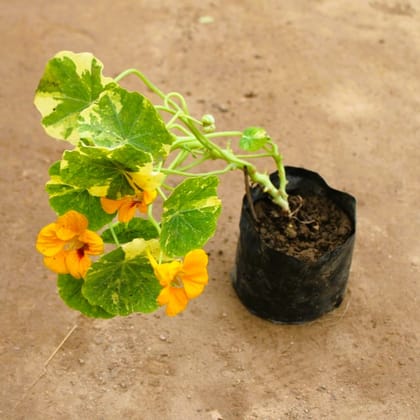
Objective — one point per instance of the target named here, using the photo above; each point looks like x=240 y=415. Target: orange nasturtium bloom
x=144 y=182
x=67 y=244
x=127 y=206
x=181 y=281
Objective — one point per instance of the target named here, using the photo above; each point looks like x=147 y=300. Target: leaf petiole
x=114 y=236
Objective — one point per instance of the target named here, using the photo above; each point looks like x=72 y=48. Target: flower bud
x=209 y=123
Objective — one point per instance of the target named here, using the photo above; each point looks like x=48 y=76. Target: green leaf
x=126 y=232
x=64 y=197
x=120 y=117
x=190 y=216
x=69 y=289
x=54 y=169
x=70 y=83
x=102 y=171
x=253 y=139
x=122 y=285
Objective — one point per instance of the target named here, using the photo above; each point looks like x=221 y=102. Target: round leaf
x=190 y=216
x=70 y=83
x=120 y=117
x=69 y=289
x=253 y=139
x=122 y=286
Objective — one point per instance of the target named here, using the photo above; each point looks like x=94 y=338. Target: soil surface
x=336 y=84
x=316 y=226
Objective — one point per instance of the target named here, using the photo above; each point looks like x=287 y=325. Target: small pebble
x=250 y=94
x=291 y=232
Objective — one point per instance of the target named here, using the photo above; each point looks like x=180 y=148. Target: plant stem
x=255 y=156
x=276 y=194
x=179 y=159
x=278 y=158
x=212 y=135
x=143 y=78
x=192 y=174
x=193 y=164
x=162 y=194
x=114 y=236
x=279 y=195
x=152 y=219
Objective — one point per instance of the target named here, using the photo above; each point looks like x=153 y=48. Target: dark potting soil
x=317 y=226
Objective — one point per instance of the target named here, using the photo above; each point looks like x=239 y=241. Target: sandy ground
x=337 y=84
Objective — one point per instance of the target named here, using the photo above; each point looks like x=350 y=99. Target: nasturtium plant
x=114 y=251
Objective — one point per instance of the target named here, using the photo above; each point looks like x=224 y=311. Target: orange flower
x=144 y=182
x=181 y=281
x=67 y=244
x=127 y=206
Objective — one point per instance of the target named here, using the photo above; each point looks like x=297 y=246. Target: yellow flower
x=181 y=281
x=144 y=182
x=146 y=179
x=67 y=244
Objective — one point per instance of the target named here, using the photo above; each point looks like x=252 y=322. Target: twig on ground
x=60 y=345
x=46 y=363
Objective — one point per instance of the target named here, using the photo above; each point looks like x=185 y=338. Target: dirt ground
x=337 y=84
